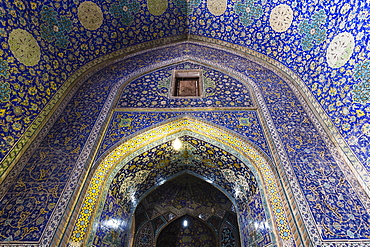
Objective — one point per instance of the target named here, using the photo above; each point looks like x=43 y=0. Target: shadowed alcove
x=141 y=203
x=186 y=211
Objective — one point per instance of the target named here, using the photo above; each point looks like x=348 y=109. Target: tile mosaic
x=302 y=140
x=198 y=157
x=279 y=214
x=140 y=121
x=53 y=27
x=220 y=90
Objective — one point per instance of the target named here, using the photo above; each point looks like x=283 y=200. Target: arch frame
x=214 y=43
x=278 y=150
x=28 y=142
x=200 y=136
x=121 y=155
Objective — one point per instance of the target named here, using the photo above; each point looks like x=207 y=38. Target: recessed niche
x=187 y=84
x=178 y=203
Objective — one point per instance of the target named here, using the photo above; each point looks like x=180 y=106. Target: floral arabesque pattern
x=187 y=7
x=125 y=11
x=54 y=28
x=85 y=45
x=248 y=11
x=361 y=92
x=227 y=92
x=4 y=92
x=4 y=69
x=313 y=32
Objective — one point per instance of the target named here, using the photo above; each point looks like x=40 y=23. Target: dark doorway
x=185 y=232
x=186 y=211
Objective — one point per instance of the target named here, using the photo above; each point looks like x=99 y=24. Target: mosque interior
x=184 y=123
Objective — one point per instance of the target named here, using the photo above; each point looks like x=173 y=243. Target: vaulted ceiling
x=47 y=44
x=70 y=67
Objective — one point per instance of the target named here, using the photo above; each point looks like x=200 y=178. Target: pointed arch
x=165 y=132
x=179 y=213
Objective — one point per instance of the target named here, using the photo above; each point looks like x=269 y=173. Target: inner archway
x=186 y=211
x=192 y=233
x=215 y=165
x=132 y=173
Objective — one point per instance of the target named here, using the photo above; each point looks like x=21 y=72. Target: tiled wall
x=198 y=157
x=331 y=204
x=45 y=42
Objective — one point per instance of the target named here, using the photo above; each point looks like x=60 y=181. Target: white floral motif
x=340 y=50
x=217 y=7
x=281 y=18
x=241 y=186
x=90 y=15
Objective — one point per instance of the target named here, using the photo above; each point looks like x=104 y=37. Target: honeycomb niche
x=186 y=211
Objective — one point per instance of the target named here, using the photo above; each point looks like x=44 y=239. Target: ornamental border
x=200 y=136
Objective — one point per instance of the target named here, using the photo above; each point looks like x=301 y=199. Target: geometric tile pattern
x=197 y=233
x=191 y=197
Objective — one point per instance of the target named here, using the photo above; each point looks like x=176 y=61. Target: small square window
x=187 y=83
